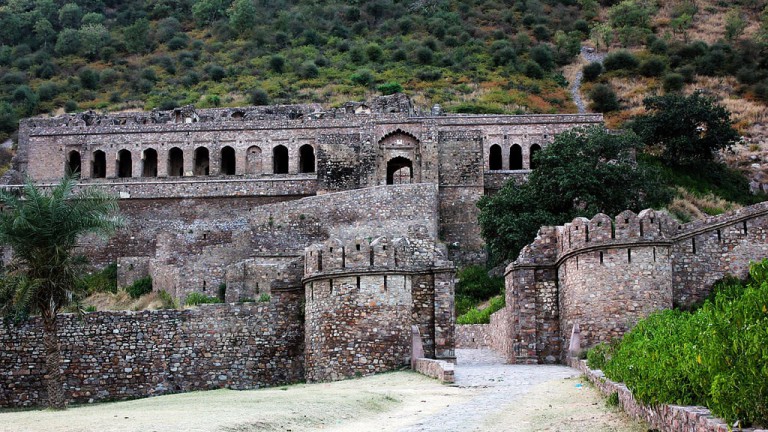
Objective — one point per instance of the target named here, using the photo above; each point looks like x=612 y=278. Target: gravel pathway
x=501 y=385
x=590 y=55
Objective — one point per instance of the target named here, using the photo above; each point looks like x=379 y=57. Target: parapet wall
x=123 y=355
x=365 y=294
x=605 y=274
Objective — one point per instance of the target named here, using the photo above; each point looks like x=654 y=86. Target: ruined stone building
x=349 y=220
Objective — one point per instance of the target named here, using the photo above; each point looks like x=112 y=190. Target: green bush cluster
x=482 y=316
x=140 y=287
x=104 y=280
x=716 y=356
x=196 y=298
x=475 y=286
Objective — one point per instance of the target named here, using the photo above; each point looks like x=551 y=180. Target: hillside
x=469 y=56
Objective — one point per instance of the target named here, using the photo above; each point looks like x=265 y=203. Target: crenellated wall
x=365 y=294
x=605 y=274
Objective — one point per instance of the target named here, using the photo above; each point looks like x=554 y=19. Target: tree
x=207 y=11
x=137 y=36
x=583 y=172
x=603 y=98
x=685 y=130
x=242 y=16
x=42 y=228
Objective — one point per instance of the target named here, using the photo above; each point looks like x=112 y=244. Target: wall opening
x=73 y=162
x=124 y=164
x=532 y=160
x=515 y=157
x=227 y=161
x=202 y=161
x=253 y=160
x=99 y=166
x=399 y=171
x=149 y=167
x=176 y=162
x=494 y=158
x=306 y=159
x=280 y=160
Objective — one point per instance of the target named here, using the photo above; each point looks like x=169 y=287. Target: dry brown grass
x=689 y=206
x=104 y=301
x=708 y=24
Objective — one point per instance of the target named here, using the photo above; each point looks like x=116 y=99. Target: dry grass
x=708 y=24
x=104 y=301
x=688 y=206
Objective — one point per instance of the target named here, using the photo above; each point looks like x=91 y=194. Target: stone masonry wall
x=605 y=274
x=122 y=355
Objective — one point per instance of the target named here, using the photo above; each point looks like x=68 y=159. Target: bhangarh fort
x=352 y=220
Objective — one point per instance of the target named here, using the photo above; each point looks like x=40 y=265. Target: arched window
x=253 y=160
x=399 y=171
x=124 y=164
x=494 y=158
x=515 y=157
x=280 y=160
x=175 y=162
x=227 y=161
x=149 y=167
x=202 y=161
x=73 y=162
x=307 y=159
x=99 y=165
x=534 y=149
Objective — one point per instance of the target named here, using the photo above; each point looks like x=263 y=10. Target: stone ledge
x=438 y=369
x=665 y=418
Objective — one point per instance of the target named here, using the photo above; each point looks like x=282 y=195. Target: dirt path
x=487 y=396
x=588 y=55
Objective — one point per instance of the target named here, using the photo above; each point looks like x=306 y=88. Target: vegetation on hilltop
x=500 y=55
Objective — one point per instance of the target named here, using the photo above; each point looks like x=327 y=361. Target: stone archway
x=399 y=171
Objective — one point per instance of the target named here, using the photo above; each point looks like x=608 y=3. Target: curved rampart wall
x=364 y=295
x=606 y=273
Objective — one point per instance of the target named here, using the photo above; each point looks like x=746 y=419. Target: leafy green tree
x=685 y=130
x=43 y=228
x=70 y=16
x=734 y=24
x=583 y=172
x=242 y=16
x=603 y=98
x=93 y=37
x=68 y=42
x=207 y=11
x=44 y=32
x=137 y=36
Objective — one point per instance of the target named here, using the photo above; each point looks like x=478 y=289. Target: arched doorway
x=149 y=168
x=202 y=162
x=253 y=160
x=176 y=162
x=124 y=164
x=515 y=157
x=399 y=171
x=494 y=158
x=73 y=162
x=534 y=149
x=306 y=159
x=228 y=161
x=280 y=160
x=99 y=166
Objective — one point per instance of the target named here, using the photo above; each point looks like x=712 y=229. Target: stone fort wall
x=124 y=355
x=606 y=273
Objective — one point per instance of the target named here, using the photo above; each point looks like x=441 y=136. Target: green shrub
x=104 y=280
x=390 y=88
x=652 y=67
x=619 y=60
x=474 y=282
x=673 y=82
x=470 y=108
x=598 y=355
x=363 y=77
x=482 y=316
x=612 y=400
x=140 y=287
x=265 y=298
x=715 y=356
x=603 y=98
x=592 y=71
x=196 y=298
x=168 y=301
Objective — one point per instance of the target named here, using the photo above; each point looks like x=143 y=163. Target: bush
x=196 y=298
x=429 y=74
x=598 y=355
x=673 y=82
x=592 y=71
x=603 y=98
x=424 y=55
x=308 y=70
x=259 y=97
x=104 y=280
x=140 y=287
x=469 y=108
x=168 y=301
x=714 y=356
x=652 y=67
x=533 y=70
x=363 y=77
x=474 y=282
x=619 y=60
x=482 y=316
x=390 y=88
x=89 y=78
x=264 y=298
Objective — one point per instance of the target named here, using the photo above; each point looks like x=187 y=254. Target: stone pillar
x=111 y=158
x=137 y=163
x=444 y=315
x=162 y=162
x=189 y=163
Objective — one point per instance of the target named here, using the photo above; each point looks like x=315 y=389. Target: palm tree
x=42 y=228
